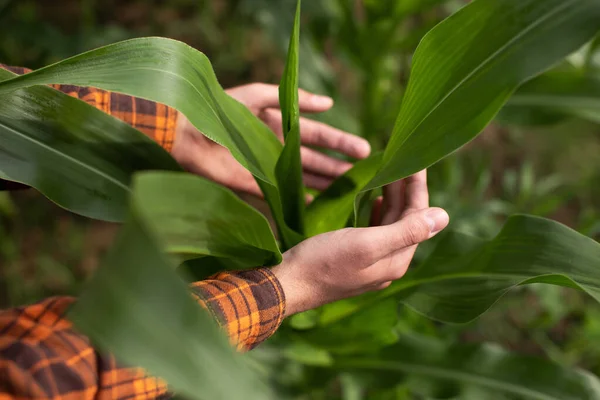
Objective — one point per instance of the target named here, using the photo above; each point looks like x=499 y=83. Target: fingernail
x=437 y=219
x=322 y=101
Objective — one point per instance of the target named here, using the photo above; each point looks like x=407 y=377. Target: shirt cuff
x=249 y=305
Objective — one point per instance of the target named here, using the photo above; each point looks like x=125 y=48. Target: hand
x=350 y=262
x=201 y=156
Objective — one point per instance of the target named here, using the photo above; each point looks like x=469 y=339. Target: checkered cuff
x=250 y=305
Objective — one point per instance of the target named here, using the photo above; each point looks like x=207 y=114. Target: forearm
x=43 y=356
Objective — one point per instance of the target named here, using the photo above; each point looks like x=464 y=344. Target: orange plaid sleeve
x=42 y=356
x=153 y=119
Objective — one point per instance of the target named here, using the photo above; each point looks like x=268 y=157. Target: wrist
x=294 y=290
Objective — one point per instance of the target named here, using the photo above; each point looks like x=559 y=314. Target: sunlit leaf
x=173 y=73
x=463 y=72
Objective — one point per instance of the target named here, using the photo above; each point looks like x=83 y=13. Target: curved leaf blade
x=194 y=217
x=464 y=71
x=467 y=67
x=76 y=155
x=175 y=74
x=466 y=275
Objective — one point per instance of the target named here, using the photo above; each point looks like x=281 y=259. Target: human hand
x=352 y=261
x=200 y=155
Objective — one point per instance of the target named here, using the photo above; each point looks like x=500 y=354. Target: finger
x=317 y=182
x=315 y=133
x=393 y=197
x=258 y=96
x=318 y=163
x=377 y=242
x=376 y=211
x=309 y=198
x=416 y=192
x=313 y=103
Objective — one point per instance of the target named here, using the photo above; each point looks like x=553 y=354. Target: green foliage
x=79 y=157
x=149 y=318
x=463 y=72
x=434 y=369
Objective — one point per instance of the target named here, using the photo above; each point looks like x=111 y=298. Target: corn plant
x=463 y=72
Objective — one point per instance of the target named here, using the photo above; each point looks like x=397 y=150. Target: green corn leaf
x=434 y=369
x=139 y=309
x=289 y=166
x=466 y=275
x=172 y=73
x=76 y=155
x=194 y=217
x=557 y=94
x=466 y=68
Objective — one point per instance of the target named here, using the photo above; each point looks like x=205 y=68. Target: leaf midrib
x=68 y=157
x=488 y=60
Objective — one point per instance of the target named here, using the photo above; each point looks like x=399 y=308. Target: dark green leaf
x=289 y=166
x=73 y=153
x=139 y=309
x=195 y=217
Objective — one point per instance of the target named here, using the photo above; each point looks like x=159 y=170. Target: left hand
x=200 y=155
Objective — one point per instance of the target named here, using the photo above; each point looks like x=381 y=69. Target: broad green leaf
x=289 y=166
x=173 y=73
x=76 y=155
x=461 y=371
x=467 y=67
x=139 y=309
x=463 y=72
x=560 y=93
x=194 y=217
x=466 y=275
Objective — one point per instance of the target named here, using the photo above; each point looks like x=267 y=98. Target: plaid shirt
x=42 y=356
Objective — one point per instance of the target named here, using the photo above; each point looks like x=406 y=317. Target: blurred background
x=358 y=52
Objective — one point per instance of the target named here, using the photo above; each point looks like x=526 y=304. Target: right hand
x=352 y=261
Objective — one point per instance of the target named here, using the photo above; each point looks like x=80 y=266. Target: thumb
x=410 y=230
